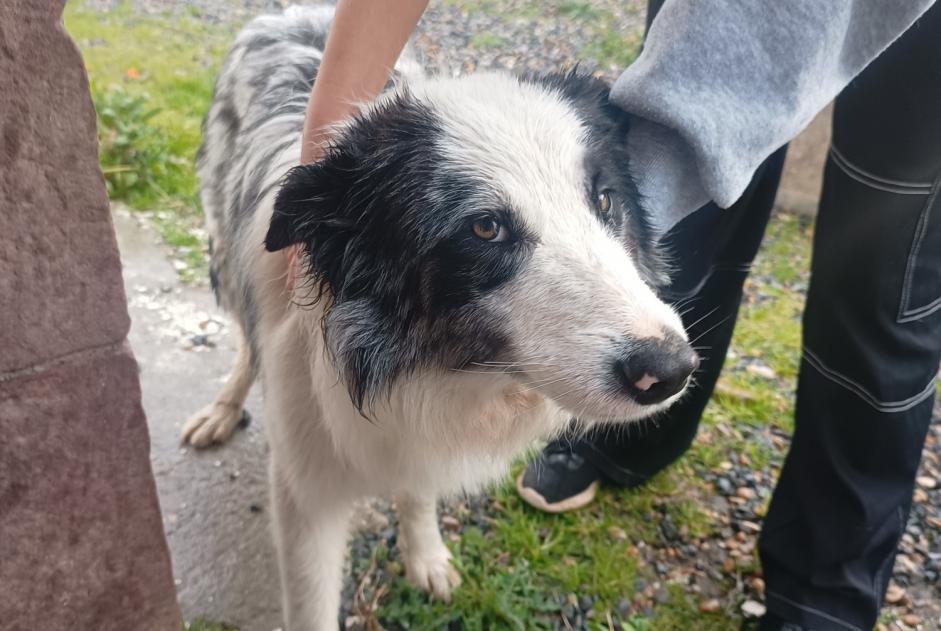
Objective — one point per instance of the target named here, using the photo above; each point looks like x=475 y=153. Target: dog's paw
x=211 y=425
x=433 y=573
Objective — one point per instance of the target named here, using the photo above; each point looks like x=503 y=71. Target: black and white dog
x=475 y=272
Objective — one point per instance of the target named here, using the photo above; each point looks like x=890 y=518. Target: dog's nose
x=656 y=369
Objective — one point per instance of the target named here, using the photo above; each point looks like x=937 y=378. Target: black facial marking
x=607 y=163
x=387 y=229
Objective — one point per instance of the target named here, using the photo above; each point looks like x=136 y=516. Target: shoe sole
x=537 y=501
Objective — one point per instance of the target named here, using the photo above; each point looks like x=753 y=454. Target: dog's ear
x=308 y=199
x=313 y=208
x=283 y=231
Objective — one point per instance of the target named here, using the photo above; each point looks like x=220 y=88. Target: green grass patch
x=614 y=48
x=579 y=10
x=485 y=40
x=518 y=572
x=151 y=81
x=610 y=44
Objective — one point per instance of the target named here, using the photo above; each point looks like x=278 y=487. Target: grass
x=485 y=40
x=151 y=79
x=610 y=44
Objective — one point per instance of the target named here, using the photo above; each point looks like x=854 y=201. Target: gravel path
x=464 y=35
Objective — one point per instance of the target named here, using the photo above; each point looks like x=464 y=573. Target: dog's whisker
x=711 y=311
x=712 y=328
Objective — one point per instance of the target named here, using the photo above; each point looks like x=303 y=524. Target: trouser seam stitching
x=816 y=612
x=906 y=314
x=861 y=175
x=889 y=407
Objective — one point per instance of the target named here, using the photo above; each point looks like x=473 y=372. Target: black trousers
x=871 y=341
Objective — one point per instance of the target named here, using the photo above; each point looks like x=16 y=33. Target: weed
x=134 y=155
x=151 y=80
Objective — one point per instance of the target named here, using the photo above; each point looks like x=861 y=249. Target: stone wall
x=81 y=541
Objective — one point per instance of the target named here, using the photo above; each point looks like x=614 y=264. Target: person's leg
x=872 y=344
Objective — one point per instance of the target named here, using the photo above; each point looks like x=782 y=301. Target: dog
x=475 y=271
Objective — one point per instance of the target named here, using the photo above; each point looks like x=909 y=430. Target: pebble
x=760 y=370
x=753 y=609
x=617 y=533
x=926 y=482
x=911 y=620
x=905 y=565
x=894 y=595
x=669 y=529
x=624 y=608
x=758 y=585
x=724 y=487
x=710 y=606
x=201 y=340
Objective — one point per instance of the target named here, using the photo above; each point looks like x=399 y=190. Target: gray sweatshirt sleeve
x=722 y=84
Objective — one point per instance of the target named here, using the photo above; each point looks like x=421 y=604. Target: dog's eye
x=603 y=202
x=489 y=229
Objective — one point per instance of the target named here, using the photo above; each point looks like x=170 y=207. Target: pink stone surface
x=60 y=275
x=81 y=541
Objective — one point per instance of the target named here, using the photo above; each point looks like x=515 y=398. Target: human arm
x=365 y=40
x=721 y=84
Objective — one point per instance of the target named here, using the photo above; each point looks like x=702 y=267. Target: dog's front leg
x=427 y=559
x=311 y=538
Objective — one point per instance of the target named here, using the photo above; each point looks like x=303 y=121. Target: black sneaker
x=558 y=480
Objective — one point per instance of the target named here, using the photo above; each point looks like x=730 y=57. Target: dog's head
x=488 y=223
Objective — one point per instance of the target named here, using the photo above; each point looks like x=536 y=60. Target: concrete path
x=214 y=502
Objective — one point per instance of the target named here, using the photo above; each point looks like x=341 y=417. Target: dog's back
x=251 y=133
x=251 y=136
